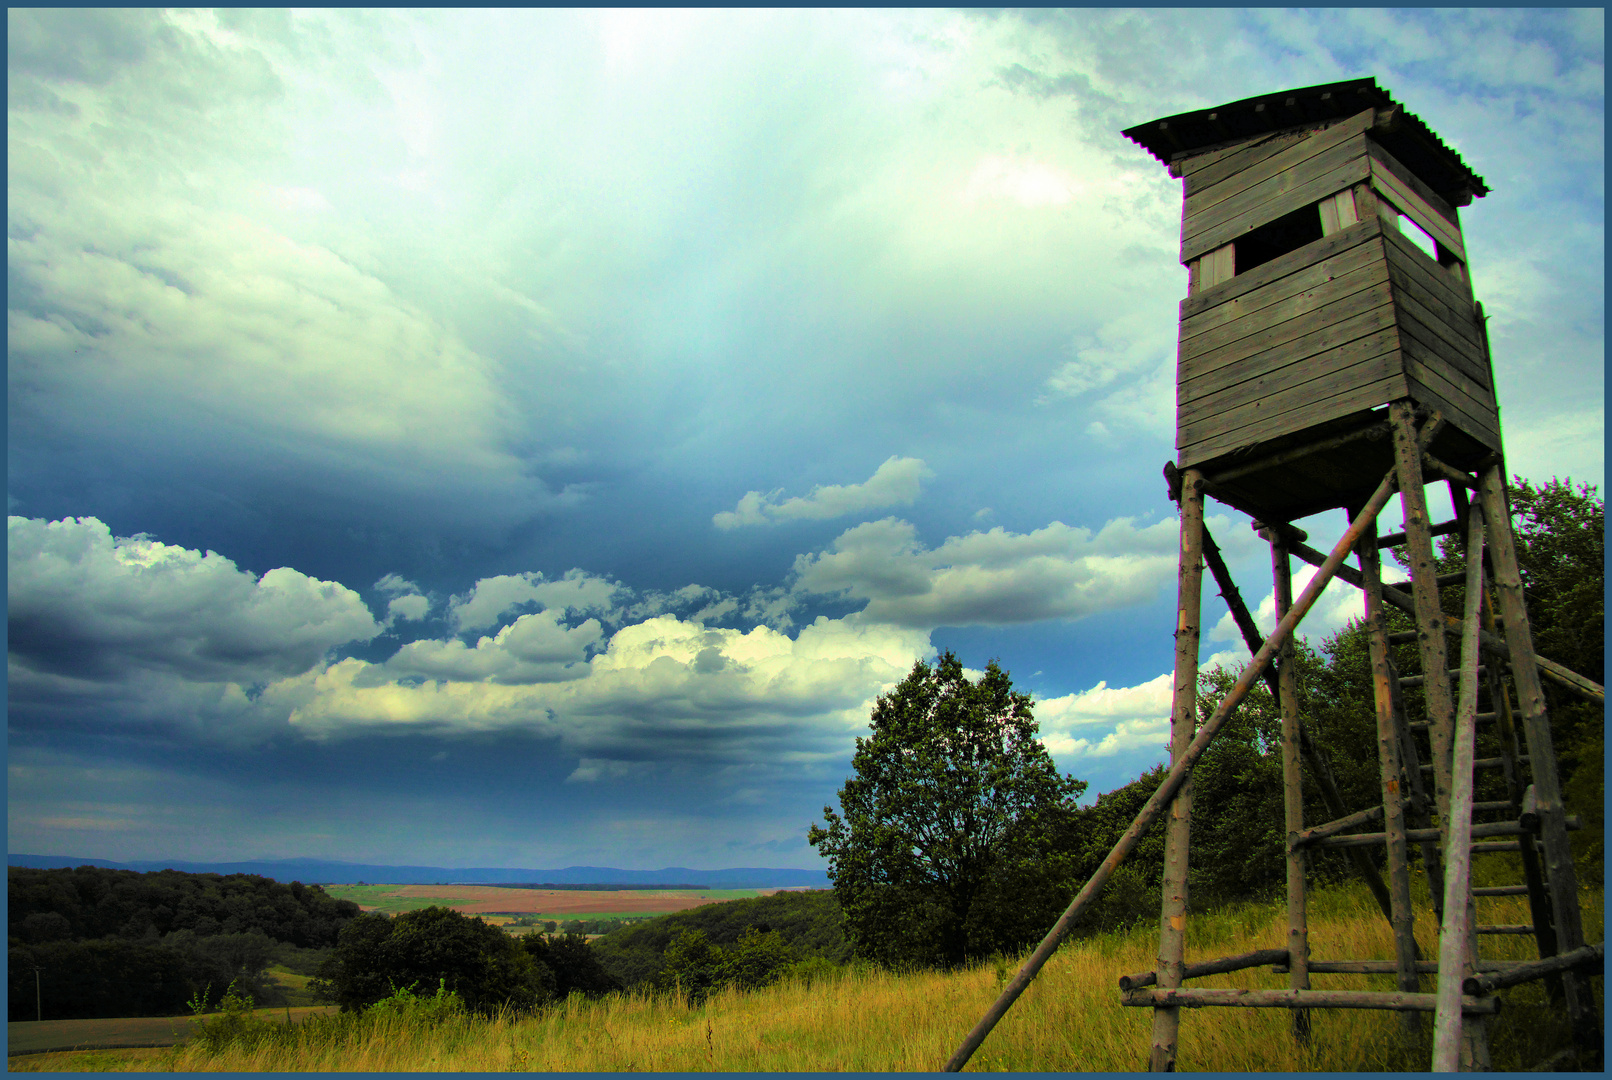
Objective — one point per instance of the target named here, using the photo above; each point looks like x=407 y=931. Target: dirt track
x=41 y=1036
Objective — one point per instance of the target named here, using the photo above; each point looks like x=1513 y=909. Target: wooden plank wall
x=1355 y=320
x=1246 y=187
x=1307 y=337
x=1441 y=339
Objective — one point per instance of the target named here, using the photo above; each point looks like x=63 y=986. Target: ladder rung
x=1511 y=928
x=1444 y=528
x=1403 y=637
x=1486 y=763
x=1445 y=580
x=1490 y=807
x=1417 y=836
x=1388 y=967
x=1417 y=680
x=1423 y=725
x=1501 y=890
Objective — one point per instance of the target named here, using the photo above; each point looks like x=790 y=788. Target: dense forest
x=94 y=942
x=806 y=925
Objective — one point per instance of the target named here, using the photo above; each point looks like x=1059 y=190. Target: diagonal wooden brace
x=1161 y=798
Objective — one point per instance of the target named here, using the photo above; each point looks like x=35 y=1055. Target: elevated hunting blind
x=1310 y=303
x=1332 y=356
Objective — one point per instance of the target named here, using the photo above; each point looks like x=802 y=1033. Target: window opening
x=1287 y=233
x=1418 y=236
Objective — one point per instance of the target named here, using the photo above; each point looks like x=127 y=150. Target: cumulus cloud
x=85 y=604
x=664 y=688
x=408 y=603
x=134 y=629
x=410 y=608
x=490 y=598
x=992 y=578
x=1335 y=609
x=1105 y=720
x=895 y=483
x=534 y=648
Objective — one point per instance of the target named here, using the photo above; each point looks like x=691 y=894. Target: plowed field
x=486 y=899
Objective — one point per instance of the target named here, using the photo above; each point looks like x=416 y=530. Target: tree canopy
x=105 y=942
x=432 y=947
x=952 y=800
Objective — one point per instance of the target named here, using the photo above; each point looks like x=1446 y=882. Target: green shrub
x=404 y=1005
x=235 y=1024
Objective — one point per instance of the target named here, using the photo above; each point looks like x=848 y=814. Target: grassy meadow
x=871 y=1020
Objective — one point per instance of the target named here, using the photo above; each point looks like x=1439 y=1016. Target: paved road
x=43 y=1036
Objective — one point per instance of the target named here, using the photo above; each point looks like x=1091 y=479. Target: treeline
x=706 y=947
x=578 y=926
x=95 y=942
x=437 y=948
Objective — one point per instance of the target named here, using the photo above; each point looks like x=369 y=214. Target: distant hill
x=310 y=871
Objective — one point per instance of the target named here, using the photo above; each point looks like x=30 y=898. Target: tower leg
x=1424 y=591
x=1559 y=869
x=1510 y=749
x=1183 y=719
x=1393 y=775
x=1298 y=932
x=1457 y=1039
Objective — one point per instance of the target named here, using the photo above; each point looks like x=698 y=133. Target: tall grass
x=865 y=1019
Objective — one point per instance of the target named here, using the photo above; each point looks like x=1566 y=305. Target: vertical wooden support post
x=1392 y=769
x=1298 y=931
x=1457 y=1042
x=1541 y=751
x=1183 y=718
x=1424 y=591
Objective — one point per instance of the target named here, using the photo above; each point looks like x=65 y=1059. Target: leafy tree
x=574 y=964
x=951 y=789
x=699 y=969
x=693 y=966
x=376 y=956
x=759 y=958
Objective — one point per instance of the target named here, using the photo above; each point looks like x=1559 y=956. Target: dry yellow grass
x=1069 y=1020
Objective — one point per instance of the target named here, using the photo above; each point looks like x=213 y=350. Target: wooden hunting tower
x=1310 y=304
x=1332 y=356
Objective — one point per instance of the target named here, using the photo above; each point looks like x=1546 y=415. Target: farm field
x=549 y=903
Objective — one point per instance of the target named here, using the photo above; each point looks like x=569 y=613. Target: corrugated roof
x=1410 y=140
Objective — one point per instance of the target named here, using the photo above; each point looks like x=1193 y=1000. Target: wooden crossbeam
x=1194 y=998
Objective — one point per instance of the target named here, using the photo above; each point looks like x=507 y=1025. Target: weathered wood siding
x=1249 y=187
x=1441 y=340
x=1306 y=338
x=1355 y=320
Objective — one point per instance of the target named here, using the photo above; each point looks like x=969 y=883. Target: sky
x=535 y=438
